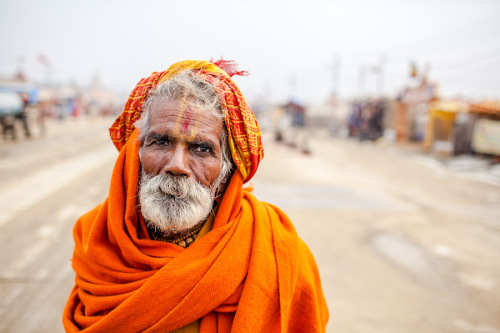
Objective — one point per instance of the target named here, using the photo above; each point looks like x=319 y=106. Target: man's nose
x=177 y=162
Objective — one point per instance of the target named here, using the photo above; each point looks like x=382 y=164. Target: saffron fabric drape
x=251 y=273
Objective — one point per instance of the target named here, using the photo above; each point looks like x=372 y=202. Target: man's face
x=182 y=142
x=181 y=161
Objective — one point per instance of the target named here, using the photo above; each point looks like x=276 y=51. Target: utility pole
x=293 y=85
x=44 y=60
x=336 y=76
x=380 y=76
x=20 y=75
x=362 y=81
x=335 y=89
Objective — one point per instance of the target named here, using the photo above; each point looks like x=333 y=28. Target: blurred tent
x=47 y=95
x=23 y=88
x=410 y=112
x=297 y=111
x=487 y=109
x=486 y=135
x=455 y=128
x=440 y=125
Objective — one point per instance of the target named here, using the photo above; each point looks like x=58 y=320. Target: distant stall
x=29 y=90
x=368 y=119
x=444 y=118
x=297 y=111
x=410 y=116
x=486 y=134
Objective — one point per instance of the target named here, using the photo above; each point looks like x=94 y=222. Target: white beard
x=174 y=203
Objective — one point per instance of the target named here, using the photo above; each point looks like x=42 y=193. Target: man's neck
x=182 y=238
x=175 y=234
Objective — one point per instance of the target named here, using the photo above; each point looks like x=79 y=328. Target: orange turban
x=251 y=273
x=242 y=127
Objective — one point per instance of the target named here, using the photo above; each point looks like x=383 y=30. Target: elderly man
x=179 y=245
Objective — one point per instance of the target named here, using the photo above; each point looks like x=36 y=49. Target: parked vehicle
x=11 y=108
x=10 y=103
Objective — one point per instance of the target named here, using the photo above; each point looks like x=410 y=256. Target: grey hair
x=199 y=95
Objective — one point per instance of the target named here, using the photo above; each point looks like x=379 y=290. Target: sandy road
x=46 y=184
x=403 y=244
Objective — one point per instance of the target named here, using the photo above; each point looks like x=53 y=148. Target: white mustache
x=172 y=202
x=176 y=186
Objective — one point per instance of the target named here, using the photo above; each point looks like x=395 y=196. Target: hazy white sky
x=279 y=42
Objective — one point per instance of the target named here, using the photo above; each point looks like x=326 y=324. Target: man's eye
x=202 y=149
x=157 y=143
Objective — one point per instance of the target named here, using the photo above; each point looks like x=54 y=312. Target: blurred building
x=368 y=118
x=444 y=120
x=44 y=101
x=410 y=114
x=486 y=130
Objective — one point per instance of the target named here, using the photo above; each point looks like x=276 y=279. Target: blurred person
x=179 y=244
x=355 y=119
x=23 y=116
x=44 y=111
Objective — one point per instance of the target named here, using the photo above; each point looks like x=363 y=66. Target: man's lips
x=175 y=195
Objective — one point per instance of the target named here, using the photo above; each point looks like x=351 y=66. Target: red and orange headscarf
x=243 y=130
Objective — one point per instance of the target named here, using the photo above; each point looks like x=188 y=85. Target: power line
x=473 y=69
x=452 y=44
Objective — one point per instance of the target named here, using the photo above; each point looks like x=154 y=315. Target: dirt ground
x=404 y=242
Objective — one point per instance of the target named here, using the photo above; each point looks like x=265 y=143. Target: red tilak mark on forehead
x=185 y=124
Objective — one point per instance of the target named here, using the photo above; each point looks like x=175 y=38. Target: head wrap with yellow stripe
x=243 y=130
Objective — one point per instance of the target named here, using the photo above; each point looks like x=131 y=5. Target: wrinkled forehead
x=182 y=119
x=187 y=119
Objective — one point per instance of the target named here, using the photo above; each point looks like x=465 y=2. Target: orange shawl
x=251 y=273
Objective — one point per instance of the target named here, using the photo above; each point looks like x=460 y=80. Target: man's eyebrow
x=169 y=137
x=202 y=141
x=158 y=136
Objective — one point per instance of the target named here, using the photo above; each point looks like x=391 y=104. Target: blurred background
x=380 y=120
